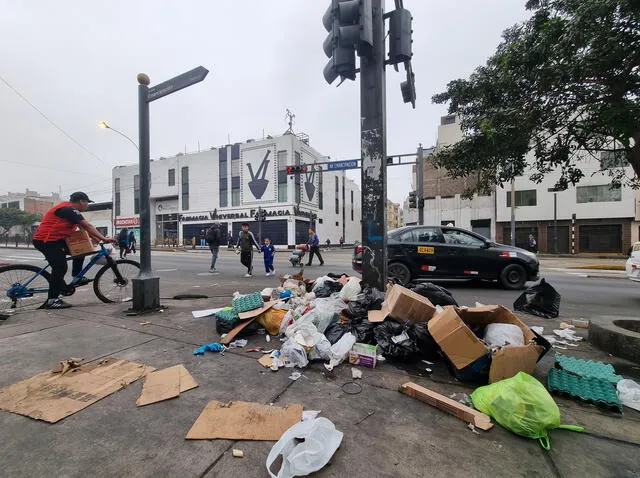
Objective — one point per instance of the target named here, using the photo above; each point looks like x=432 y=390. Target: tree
x=10 y=217
x=560 y=85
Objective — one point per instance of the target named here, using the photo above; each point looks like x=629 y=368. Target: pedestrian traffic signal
x=350 y=27
x=297 y=169
x=413 y=200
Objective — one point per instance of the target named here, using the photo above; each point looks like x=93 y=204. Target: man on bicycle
x=57 y=224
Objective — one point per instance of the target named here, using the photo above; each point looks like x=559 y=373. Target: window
x=460 y=238
x=320 y=187
x=283 y=178
x=116 y=196
x=352 y=205
x=185 y=188
x=223 y=173
x=449 y=119
x=235 y=197
x=136 y=194
x=601 y=193
x=172 y=177
x=613 y=159
x=337 y=195
x=235 y=167
x=422 y=234
x=523 y=198
x=13 y=205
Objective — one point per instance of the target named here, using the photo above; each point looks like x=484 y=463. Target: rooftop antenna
x=290 y=117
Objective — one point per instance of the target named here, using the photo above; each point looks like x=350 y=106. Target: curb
x=604 y=267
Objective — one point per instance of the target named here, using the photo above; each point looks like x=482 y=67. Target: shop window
x=523 y=198
x=600 y=193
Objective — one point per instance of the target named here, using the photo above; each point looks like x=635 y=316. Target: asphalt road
x=187 y=273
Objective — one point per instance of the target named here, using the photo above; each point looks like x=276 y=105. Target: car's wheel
x=400 y=272
x=513 y=277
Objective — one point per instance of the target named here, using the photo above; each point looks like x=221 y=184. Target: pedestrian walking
x=341 y=241
x=203 y=238
x=533 y=245
x=313 y=245
x=123 y=242
x=214 y=238
x=246 y=241
x=132 y=242
x=269 y=254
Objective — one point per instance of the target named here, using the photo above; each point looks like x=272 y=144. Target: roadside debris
x=237 y=453
x=212 y=347
x=540 y=299
x=165 y=384
x=629 y=393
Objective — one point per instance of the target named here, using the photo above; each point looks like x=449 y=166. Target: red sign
x=126 y=221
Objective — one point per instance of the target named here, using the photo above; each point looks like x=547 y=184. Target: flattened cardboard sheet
x=165 y=384
x=244 y=421
x=53 y=396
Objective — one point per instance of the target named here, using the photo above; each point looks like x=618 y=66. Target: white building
x=229 y=184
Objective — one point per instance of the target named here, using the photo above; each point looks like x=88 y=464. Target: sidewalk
x=403 y=437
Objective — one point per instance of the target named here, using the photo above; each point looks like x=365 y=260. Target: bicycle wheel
x=107 y=286
x=22 y=287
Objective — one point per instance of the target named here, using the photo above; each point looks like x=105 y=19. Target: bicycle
x=25 y=287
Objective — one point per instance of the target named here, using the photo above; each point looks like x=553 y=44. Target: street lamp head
x=103 y=124
x=143 y=79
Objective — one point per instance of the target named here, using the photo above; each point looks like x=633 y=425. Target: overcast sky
x=77 y=62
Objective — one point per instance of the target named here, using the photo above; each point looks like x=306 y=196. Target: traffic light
x=350 y=27
x=297 y=169
x=413 y=200
x=400 y=33
x=408 y=89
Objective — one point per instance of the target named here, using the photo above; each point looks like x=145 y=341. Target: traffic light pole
x=420 y=185
x=374 y=153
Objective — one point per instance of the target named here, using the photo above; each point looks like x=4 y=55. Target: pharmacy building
x=230 y=184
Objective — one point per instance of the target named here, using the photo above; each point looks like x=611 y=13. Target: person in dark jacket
x=132 y=242
x=313 y=245
x=123 y=242
x=246 y=241
x=214 y=238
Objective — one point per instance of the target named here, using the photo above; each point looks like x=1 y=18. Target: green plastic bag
x=521 y=404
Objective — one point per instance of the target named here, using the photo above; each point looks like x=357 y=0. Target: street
x=188 y=273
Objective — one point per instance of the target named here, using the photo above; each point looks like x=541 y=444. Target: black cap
x=79 y=196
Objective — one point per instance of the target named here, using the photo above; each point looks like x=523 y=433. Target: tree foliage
x=10 y=217
x=565 y=82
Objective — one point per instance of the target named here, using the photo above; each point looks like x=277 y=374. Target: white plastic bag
x=351 y=288
x=321 y=319
x=503 y=334
x=320 y=282
x=340 y=350
x=320 y=440
x=304 y=333
x=295 y=355
x=629 y=393
x=322 y=350
x=112 y=253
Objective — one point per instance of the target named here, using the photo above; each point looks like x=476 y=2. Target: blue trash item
x=286 y=294
x=212 y=347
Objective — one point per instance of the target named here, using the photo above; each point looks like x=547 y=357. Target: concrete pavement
x=404 y=437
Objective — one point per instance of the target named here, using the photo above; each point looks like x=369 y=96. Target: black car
x=438 y=252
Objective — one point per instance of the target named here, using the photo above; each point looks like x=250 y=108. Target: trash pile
x=334 y=319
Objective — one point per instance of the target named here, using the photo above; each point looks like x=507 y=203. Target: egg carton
x=590 y=390
x=588 y=368
x=227 y=315
x=248 y=302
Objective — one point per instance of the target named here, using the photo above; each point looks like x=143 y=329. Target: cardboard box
x=80 y=243
x=403 y=304
x=451 y=329
x=363 y=354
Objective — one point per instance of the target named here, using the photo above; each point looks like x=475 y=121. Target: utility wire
x=52 y=122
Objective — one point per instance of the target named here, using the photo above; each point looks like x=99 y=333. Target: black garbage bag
x=363 y=331
x=427 y=347
x=335 y=331
x=372 y=299
x=540 y=299
x=395 y=341
x=436 y=294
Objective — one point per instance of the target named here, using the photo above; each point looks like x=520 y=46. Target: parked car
x=439 y=252
x=633 y=263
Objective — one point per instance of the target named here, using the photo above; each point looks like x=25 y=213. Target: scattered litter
x=500 y=335
x=356 y=373
x=237 y=453
x=427 y=362
x=340 y=350
x=364 y=355
x=537 y=329
x=65 y=365
x=567 y=334
x=463 y=412
x=310 y=414
x=472 y=427
x=522 y=405
x=254 y=349
x=629 y=393
x=238 y=343
x=461 y=398
x=540 y=299
x=212 y=347
x=601 y=393
x=237 y=421
x=267 y=338
x=295 y=375
x=198 y=314
x=165 y=384
x=351 y=388
x=266 y=351
x=588 y=368
x=380 y=358
x=580 y=323
x=365 y=417
x=145 y=323
x=565 y=325
x=304 y=448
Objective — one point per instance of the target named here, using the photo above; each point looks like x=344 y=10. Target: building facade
x=228 y=185
x=29 y=201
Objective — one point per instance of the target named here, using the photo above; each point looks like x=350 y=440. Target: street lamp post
x=103 y=124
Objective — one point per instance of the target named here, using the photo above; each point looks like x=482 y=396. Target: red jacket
x=54 y=228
